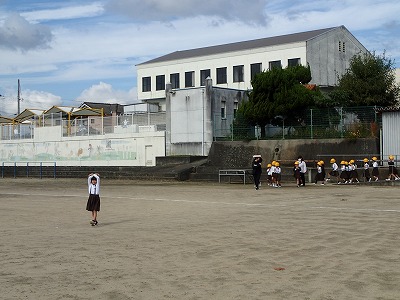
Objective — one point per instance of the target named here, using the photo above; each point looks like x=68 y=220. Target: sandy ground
x=174 y=240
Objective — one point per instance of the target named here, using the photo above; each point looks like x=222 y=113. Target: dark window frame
x=293 y=62
x=275 y=64
x=174 y=78
x=204 y=74
x=189 y=79
x=238 y=73
x=255 y=69
x=160 y=83
x=146 y=84
x=222 y=76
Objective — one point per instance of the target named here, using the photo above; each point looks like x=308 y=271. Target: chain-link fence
x=321 y=123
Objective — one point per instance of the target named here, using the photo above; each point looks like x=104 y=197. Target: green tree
x=280 y=94
x=369 y=81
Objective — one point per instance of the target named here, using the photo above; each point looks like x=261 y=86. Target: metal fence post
x=341 y=122
x=54 y=170
x=40 y=171
x=311 y=124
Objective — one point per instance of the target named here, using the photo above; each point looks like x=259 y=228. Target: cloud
x=17 y=33
x=65 y=13
x=168 y=10
x=29 y=99
x=104 y=93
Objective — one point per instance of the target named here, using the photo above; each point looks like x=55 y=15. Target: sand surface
x=174 y=240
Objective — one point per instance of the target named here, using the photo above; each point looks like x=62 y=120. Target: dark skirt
x=375 y=172
x=334 y=173
x=319 y=177
x=393 y=170
x=344 y=175
x=93 y=203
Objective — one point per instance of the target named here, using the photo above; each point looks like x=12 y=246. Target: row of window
x=342 y=46
x=222 y=75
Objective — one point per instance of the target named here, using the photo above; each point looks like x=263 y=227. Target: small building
x=196 y=116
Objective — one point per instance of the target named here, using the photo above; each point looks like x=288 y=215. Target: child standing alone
x=93 y=203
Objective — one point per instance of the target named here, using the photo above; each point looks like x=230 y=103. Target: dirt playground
x=180 y=240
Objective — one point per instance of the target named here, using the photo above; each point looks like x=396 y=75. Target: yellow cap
x=351 y=161
x=269 y=166
x=332 y=160
x=322 y=162
x=365 y=160
x=296 y=162
x=391 y=157
x=374 y=158
x=273 y=162
x=276 y=164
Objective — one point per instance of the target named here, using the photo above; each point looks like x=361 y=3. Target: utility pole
x=19 y=98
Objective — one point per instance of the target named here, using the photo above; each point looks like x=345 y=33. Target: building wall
x=194 y=117
x=328 y=59
x=390 y=134
x=259 y=55
x=48 y=145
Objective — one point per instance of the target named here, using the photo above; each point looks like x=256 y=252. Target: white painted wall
x=124 y=149
x=258 y=55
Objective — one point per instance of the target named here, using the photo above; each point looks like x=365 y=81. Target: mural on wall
x=87 y=150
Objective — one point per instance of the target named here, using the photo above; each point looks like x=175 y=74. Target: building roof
x=108 y=109
x=240 y=46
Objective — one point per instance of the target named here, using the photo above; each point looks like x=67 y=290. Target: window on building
x=342 y=46
x=160 y=82
x=293 y=62
x=203 y=76
x=238 y=72
x=174 y=78
x=255 y=69
x=221 y=75
x=189 y=79
x=275 y=64
x=235 y=108
x=146 y=84
x=223 y=109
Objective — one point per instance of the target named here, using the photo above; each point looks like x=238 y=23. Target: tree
x=279 y=94
x=369 y=81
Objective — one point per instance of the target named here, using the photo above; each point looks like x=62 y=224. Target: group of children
x=345 y=172
x=349 y=174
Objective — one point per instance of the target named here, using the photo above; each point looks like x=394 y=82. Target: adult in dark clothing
x=257 y=170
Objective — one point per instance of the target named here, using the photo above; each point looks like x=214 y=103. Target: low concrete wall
x=239 y=154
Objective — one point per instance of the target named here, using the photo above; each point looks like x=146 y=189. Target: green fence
x=339 y=122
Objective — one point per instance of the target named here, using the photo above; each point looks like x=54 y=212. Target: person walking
x=303 y=170
x=375 y=168
x=257 y=170
x=93 y=203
